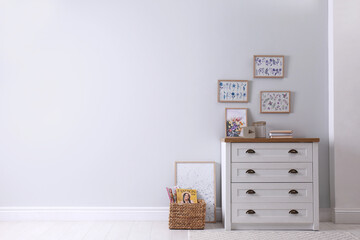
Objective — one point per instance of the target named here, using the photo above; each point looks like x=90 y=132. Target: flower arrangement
x=233 y=127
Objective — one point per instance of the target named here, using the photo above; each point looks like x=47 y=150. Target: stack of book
x=281 y=134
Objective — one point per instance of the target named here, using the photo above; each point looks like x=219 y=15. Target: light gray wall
x=346 y=112
x=99 y=98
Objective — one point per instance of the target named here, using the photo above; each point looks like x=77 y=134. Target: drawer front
x=271 y=192
x=272 y=213
x=271 y=152
x=271 y=172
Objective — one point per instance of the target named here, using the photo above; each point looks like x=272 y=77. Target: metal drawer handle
x=250 y=171
x=293 y=171
x=250 y=151
x=293 y=191
x=293 y=151
x=250 y=211
x=250 y=191
x=293 y=211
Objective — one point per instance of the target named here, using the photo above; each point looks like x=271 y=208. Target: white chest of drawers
x=270 y=183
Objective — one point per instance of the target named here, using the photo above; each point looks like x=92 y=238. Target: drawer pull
x=293 y=211
x=293 y=191
x=250 y=171
x=250 y=191
x=250 y=151
x=293 y=151
x=250 y=212
x=293 y=171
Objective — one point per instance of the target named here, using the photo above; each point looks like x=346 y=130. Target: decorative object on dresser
x=248 y=132
x=260 y=129
x=200 y=176
x=235 y=119
x=268 y=66
x=275 y=102
x=270 y=183
x=233 y=91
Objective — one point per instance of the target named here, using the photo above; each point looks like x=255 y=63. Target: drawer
x=271 y=192
x=272 y=213
x=271 y=152
x=271 y=172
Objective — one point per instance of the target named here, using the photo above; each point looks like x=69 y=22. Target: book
x=281 y=131
x=186 y=196
x=171 y=194
x=281 y=136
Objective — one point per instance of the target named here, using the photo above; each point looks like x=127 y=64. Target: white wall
x=346 y=112
x=99 y=98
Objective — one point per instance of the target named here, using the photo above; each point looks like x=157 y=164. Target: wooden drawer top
x=269 y=140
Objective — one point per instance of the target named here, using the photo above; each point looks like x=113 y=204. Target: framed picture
x=200 y=176
x=268 y=66
x=236 y=119
x=233 y=91
x=275 y=101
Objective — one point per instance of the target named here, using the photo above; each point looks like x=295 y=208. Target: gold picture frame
x=233 y=91
x=269 y=66
x=235 y=119
x=275 y=101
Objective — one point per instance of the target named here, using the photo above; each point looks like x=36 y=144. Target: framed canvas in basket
x=235 y=120
x=268 y=66
x=200 y=176
x=233 y=91
x=275 y=101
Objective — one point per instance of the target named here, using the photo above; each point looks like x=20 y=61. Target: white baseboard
x=100 y=214
x=347 y=215
x=84 y=213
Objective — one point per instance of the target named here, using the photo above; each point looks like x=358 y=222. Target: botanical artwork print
x=269 y=66
x=199 y=176
x=233 y=91
x=235 y=120
x=275 y=102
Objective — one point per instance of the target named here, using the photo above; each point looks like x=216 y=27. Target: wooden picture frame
x=235 y=119
x=269 y=66
x=275 y=102
x=233 y=91
x=199 y=175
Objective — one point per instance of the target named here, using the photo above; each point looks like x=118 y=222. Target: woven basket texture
x=187 y=216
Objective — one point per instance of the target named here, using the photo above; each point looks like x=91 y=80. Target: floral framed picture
x=275 y=101
x=233 y=91
x=268 y=66
x=236 y=119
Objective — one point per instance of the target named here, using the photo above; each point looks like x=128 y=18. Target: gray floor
x=117 y=230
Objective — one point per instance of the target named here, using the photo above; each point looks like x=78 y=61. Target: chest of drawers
x=270 y=183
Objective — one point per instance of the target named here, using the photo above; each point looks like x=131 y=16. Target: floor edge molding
x=347 y=215
x=101 y=214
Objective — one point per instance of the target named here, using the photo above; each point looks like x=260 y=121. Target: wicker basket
x=187 y=216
